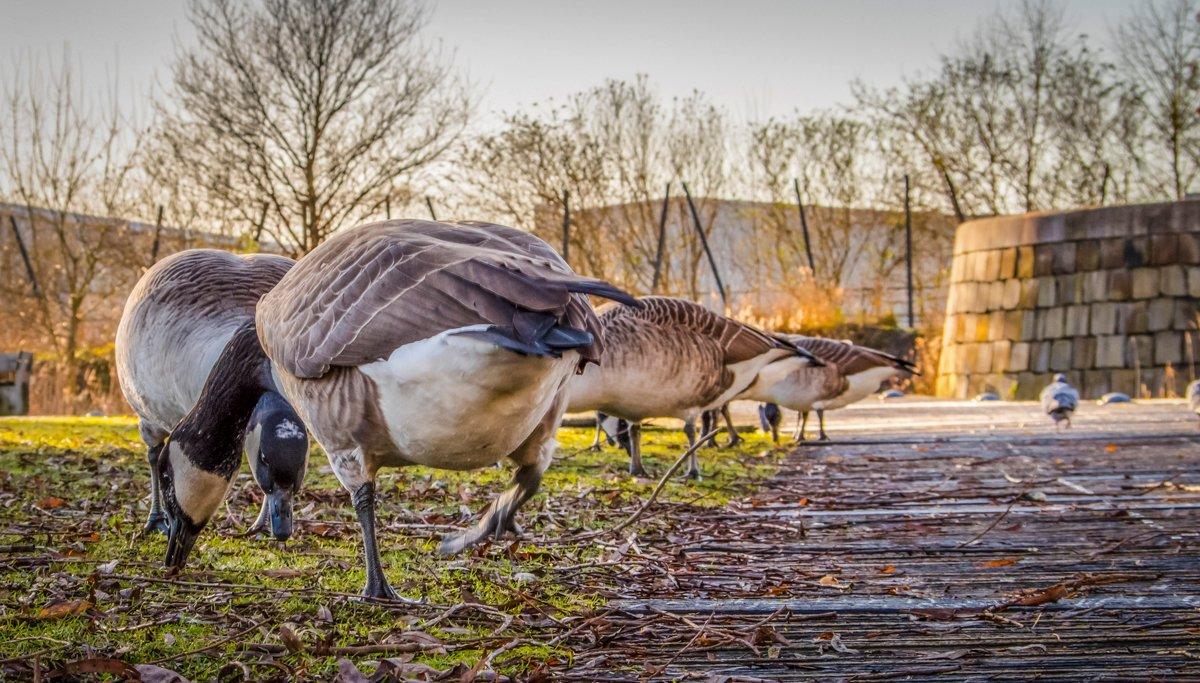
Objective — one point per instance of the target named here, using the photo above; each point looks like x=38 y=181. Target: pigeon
x=1193 y=395
x=1060 y=400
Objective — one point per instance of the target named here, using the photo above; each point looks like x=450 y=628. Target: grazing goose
x=176 y=322
x=1060 y=400
x=413 y=342
x=853 y=373
x=1193 y=394
x=671 y=358
x=769 y=417
x=793 y=384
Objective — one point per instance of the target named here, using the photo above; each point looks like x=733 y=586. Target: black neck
x=213 y=428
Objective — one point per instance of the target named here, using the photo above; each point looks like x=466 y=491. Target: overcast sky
x=754 y=57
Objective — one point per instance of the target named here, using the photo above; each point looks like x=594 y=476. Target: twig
x=211 y=646
x=653 y=495
x=995 y=522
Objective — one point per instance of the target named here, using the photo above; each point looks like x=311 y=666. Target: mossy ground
x=77 y=579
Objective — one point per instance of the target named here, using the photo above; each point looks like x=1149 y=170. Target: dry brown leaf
x=992 y=564
x=51 y=502
x=1111 y=448
x=832 y=581
x=64 y=608
x=889 y=569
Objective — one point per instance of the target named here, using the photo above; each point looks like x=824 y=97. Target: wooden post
x=387 y=207
x=566 y=227
x=662 y=240
x=33 y=281
x=262 y=223
x=908 y=258
x=812 y=266
x=157 y=235
x=712 y=262
x=429 y=204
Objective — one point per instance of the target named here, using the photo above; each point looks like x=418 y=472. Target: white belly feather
x=455 y=402
x=862 y=385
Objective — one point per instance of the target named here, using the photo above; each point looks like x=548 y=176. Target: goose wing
x=851 y=359
x=738 y=340
x=371 y=289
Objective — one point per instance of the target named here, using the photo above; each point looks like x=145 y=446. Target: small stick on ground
x=653 y=495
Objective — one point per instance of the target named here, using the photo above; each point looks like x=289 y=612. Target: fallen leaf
x=64 y=608
x=324 y=614
x=290 y=640
x=51 y=502
x=889 y=569
x=992 y=564
x=1111 y=448
x=832 y=581
x=168 y=639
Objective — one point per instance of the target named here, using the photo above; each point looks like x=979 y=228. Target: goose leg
x=821 y=419
x=708 y=421
x=801 y=425
x=689 y=430
x=635 y=450
x=734 y=437
x=157 y=520
x=599 y=430
x=532 y=459
x=364 y=505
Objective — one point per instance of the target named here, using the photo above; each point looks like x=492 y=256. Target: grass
x=76 y=577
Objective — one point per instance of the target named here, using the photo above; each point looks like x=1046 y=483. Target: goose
x=1193 y=395
x=176 y=321
x=1059 y=400
x=671 y=358
x=851 y=374
x=390 y=339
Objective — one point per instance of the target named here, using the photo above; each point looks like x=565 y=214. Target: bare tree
x=62 y=155
x=324 y=110
x=1159 y=46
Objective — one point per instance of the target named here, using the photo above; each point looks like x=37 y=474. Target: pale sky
x=754 y=57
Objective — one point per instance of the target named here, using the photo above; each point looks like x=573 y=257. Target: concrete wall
x=1092 y=293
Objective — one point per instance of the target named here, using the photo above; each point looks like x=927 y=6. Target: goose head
x=204 y=451
x=276 y=445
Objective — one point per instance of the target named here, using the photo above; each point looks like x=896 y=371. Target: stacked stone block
x=1096 y=294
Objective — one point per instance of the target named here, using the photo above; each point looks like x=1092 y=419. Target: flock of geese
x=389 y=338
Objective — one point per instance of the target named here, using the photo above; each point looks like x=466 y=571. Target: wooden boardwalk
x=930 y=539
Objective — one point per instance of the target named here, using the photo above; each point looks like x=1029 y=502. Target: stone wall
x=1107 y=296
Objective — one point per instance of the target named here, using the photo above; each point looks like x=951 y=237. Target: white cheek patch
x=253 y=445
x=198 y=492
x=286 y=429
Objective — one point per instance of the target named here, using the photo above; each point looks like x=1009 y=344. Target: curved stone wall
x=1106 y=295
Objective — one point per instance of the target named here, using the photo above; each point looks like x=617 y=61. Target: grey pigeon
x=1060 y=400
x=1193 y=395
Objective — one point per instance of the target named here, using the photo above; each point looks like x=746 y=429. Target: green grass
x=73 y=493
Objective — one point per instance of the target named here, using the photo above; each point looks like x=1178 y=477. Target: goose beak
x=280 y=504
x=181 y=537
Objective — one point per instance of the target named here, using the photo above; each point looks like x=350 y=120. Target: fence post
x=812 y=266
x=33 y=281
x=662 y=240
x=157 y=235
x=387 y=207
x=262 y=223
x=908 y=259
x=712 y=262
x=566 y=227
x=429 y=204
